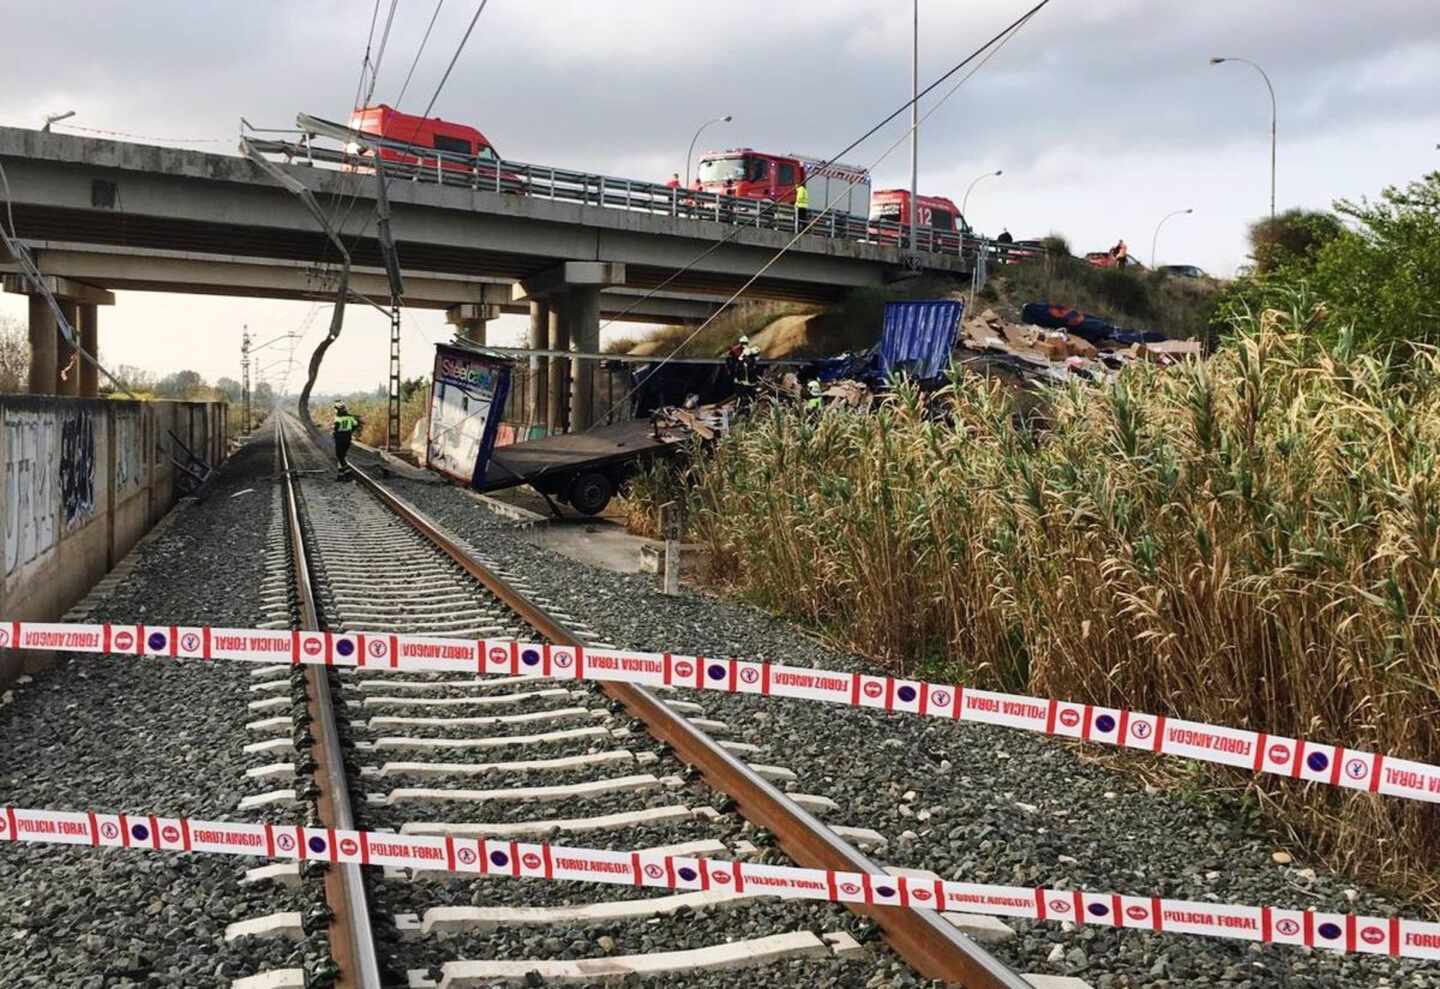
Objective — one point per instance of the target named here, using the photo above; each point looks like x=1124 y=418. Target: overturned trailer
x=468 y=393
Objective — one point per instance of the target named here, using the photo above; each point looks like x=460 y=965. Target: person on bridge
x=1003 y=242
x=1122 y=254
x=346 y=425
x=802 y=205
x=674 y=182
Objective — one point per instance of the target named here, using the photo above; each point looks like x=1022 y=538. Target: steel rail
x=930 y=943
x=352 y=942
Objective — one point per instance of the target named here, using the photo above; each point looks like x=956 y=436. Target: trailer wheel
x=590 y=493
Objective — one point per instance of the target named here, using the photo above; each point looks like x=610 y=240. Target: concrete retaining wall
x=83 y=480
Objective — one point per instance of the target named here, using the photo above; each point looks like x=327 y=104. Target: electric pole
x=245 y=374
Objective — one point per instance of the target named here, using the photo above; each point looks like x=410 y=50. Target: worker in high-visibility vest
x=816 y=402
x=802 y=204
x=345 y=428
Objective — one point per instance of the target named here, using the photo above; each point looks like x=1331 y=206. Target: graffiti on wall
x=77 y=467
x=127 y=452
x=31 y=506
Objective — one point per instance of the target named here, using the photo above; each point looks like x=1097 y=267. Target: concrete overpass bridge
x=101 y=215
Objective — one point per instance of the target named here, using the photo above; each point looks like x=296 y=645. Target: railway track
x=627 y=767
x=547 y=761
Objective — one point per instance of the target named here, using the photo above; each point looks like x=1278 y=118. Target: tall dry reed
x=1254 y=541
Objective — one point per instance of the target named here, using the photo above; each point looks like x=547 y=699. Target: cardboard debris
x=852 y=393
x=674 y=425
x=1056 y=355
x=1166 y=351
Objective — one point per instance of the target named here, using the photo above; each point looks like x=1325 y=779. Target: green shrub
x=1379 y=279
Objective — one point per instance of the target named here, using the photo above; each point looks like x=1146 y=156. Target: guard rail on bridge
x=423 y=164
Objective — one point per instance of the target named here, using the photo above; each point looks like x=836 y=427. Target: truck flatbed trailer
x=584 y=469
x=468 y=394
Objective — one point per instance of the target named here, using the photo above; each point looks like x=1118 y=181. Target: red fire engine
x=940 y=215
x=424 y=132
x=750 y=174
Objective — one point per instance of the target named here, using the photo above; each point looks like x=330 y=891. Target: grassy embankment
x=1254 y=541
x=1181 y=308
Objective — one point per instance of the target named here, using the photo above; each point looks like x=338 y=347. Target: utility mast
x=397 y=292
x=245 y=374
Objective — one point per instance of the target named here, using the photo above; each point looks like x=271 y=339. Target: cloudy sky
x=1104 y=114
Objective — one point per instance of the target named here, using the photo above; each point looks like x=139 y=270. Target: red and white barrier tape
x=475 y=856
x=1258 y=752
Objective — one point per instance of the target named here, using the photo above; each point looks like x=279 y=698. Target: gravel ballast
x=118 y=734
x=973 y=802
x=687 y=929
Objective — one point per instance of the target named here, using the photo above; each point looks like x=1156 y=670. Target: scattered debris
x=1057 y=343
x=237 y=494
x=675 y=425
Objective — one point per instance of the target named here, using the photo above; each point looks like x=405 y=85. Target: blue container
x=918 y=337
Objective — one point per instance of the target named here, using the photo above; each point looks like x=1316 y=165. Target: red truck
x=750 y=174
x=425 y=132
x=937 y=214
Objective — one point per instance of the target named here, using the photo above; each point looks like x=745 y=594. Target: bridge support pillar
x=583 y=310
x=51 y=355
x=44 y=342
x=469 y=321
x=559 y=383
x=89 y=329
x=539 y=396
x=67 y=358
x=572 y=290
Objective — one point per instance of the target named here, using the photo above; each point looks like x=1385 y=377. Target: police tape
x=1258 y=752
x=1340 y=932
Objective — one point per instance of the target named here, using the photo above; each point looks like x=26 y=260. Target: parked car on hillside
x=1183 y=271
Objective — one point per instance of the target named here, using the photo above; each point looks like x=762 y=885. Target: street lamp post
x=965 y=202
x=1156 y=239
x=1274 y=118
x=915 y=130
x=55 y=118
x=691 y=153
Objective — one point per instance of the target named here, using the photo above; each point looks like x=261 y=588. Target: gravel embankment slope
x=146 y=736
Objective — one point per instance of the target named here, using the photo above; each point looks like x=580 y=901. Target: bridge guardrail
x=609 y=192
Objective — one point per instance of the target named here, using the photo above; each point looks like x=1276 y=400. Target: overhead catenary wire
x=419 y=51
x=380 y=55
x=455 y=58
x=332 y=229
x=836 y=158
x=993 y=46
x=338 y=202
x=382 y=178
x=340 y=227
x=988 y=50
